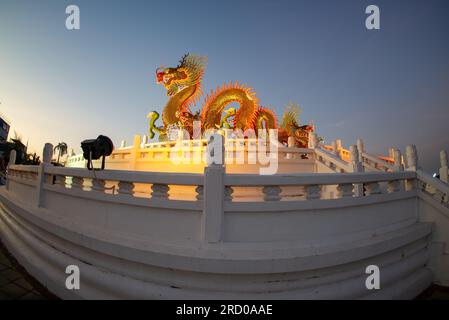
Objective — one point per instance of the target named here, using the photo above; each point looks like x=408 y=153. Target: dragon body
x=183 y=85
x=290 y=127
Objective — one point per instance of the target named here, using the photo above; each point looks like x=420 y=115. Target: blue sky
x=389 y=86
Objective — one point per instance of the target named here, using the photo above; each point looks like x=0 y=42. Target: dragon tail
x=266 y=119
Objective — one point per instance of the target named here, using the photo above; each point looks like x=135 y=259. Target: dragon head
x=188 y=72
x=171 y=78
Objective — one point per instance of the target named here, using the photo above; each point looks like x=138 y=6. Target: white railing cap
x=315 y=178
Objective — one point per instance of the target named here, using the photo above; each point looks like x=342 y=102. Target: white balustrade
x=215 y=190
x=434 y=188
x=332 y=161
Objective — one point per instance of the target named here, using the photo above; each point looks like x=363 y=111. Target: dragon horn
x=183 y=59
x=160 y=69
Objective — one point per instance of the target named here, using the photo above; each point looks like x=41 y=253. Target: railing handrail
x=316 y=178
x=331 y=157
x=436 y=183
x=378 y=160
x=236 y=179
x=24 y=168
x=187 y=179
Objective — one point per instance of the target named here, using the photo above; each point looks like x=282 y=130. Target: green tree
x=61 y=147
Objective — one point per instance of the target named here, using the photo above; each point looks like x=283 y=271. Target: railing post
x=339 y=145
x=412 y=158
x=144 y=141
x=12 y=161
x=291 y=143
x=213 y=202
x=354 y=156
x=397 y=156
x=361 y=148
x=336 y=148
x=135 y=152
x=391 y=152
x=46 y=161
x=313 y=140
x=357 y=166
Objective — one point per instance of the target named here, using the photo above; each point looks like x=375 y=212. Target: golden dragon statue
x=184 y=89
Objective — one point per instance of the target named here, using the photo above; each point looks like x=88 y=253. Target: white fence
x=215 y=191
x=252 y=236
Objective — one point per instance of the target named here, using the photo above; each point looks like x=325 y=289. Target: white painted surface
x=135 y=239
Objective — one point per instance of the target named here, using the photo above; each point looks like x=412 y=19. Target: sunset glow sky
x=389 y=87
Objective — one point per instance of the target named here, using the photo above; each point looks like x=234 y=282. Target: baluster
x=445 y=199
x=228 y=193
x=77 y=182
x=372 y=188
x=410 y=184
x=98 y=185
x=393 y=186
x=440 y=196
x=159 y=191
x=272 y=193
x=125 y=187
x=345 y=190
x=422 y=185
x=60 y=180
x=199 y=192
x=313 y=191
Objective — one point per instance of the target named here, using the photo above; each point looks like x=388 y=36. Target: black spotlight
x=94 y=149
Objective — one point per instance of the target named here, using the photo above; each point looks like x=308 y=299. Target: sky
x=389 y=87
